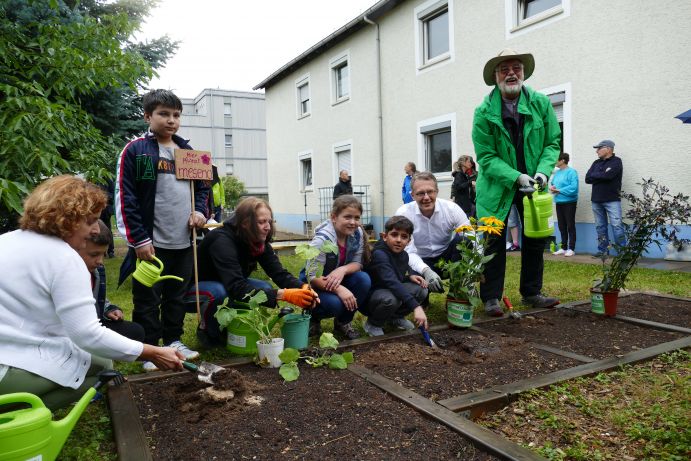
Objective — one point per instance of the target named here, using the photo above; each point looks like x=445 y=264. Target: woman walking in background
x=565 y=189
x=463 y=187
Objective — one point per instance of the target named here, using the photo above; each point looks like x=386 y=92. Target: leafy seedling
x=325 y=355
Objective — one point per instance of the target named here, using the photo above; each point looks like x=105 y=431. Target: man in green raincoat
x=516 y=137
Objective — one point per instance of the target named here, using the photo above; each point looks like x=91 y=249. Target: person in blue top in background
x=564 y=187
x=406 y=194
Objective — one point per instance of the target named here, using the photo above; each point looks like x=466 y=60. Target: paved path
x=648 y=263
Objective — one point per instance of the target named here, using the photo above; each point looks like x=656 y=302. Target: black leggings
x=566 y=217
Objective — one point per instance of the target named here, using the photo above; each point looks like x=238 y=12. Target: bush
x=234 y=189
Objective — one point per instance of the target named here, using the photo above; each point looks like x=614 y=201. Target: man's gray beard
x=513 y=90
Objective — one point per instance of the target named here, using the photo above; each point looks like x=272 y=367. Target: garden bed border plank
x=130 y=439
x=481 y=437
x=495 y=397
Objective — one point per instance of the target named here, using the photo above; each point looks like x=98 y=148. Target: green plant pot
x=295 y=330
x=459 y=313
x=597 y=302
x=604 y=303
x=242 y=340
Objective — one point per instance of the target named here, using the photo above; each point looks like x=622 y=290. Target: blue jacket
x=605 y=176
x=406 y=191
x=135 y=194
x=388 y=270
x=566 y=181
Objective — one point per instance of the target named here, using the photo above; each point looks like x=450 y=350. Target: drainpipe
x=381 y=123
x=213 y=128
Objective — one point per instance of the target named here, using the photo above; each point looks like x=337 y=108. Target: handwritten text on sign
x=193 y=164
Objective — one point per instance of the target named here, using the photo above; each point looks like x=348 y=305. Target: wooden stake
x=194 y=257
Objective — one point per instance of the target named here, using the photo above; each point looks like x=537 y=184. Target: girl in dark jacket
x=463 y=187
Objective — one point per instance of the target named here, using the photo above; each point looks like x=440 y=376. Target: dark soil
x=465 y=361
x=656 y=309
x=584 y=333
x=326 y=414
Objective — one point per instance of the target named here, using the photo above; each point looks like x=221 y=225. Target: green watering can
x=30 y=434
x=147 y=273
x=537 y=212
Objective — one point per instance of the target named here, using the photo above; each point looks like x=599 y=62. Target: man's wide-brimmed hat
x=526 y=58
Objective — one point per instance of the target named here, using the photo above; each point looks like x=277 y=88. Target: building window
x=342 y=160
x=340 y=79
x=303 y=97
x=434 y=32
x=306 y=182
x=229 y=140
x=436 y=141
x=525 y=15
x=529 y=8
x=226 y=109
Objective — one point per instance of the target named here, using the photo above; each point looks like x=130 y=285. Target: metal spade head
x=204 y=370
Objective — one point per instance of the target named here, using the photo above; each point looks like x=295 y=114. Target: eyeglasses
x=422 y=193
x=516 y=68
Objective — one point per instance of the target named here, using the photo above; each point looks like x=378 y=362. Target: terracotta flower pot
x=604 y=302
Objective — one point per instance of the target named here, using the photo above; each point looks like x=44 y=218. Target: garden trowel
x=428 y=338
x=204 y=370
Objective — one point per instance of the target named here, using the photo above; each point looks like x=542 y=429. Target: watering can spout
x=284 y=311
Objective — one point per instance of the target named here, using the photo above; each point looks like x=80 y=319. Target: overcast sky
x=235 y=44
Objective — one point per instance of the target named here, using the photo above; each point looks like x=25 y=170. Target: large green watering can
x=30 y=434
x=537 y=212
x=147 y=273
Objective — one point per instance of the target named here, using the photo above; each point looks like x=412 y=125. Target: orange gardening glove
x=303 y=297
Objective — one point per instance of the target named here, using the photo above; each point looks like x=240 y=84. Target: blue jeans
x=608 y=211
x=330 y=305
x=211 y=295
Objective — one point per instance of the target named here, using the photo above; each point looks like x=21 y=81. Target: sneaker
x=560 y=251
x=493 y=309
x=315 y=327
x=540 y=301
x=372 y=330
x=149 y=366
x=186 y=351
x=514 y=247
x=508 y=246
x=346 y=329
x=569 y=253
x=401 y=323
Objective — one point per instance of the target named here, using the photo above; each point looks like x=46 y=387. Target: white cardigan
x=48 y=324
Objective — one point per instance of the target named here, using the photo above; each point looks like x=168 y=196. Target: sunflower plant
x=465 y=274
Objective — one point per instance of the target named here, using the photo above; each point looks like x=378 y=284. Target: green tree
x=234 y=189
x=69 y=82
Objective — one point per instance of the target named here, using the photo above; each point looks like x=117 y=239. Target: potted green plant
x=260 y=320
x=466 y=274
x=653 y=217
x=325 y=355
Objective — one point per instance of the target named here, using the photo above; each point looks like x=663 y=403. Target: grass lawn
x=92 y=437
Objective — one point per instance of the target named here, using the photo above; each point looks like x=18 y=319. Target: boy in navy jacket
x=153 y=213
x=396 y=289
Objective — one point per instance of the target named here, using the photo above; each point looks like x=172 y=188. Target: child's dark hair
x=165 y=98
x=104 y=235
x=564 y=156
x=399 y=223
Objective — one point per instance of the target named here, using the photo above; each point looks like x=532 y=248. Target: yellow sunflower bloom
x=490 y=230
x=492 y=221
x=464 y=228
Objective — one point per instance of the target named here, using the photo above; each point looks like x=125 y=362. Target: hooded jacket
x=354 y=248
x=496 y=184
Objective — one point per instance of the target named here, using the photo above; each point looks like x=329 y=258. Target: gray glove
x=525 y=181
x=541 y=179
x=433 y=280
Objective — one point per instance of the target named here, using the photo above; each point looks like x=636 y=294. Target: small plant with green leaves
x=324 y=355
x=310 y=254
x=256 y=317
x=654 y=217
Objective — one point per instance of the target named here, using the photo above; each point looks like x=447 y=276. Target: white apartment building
x=400 y=83
x=231 y=125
